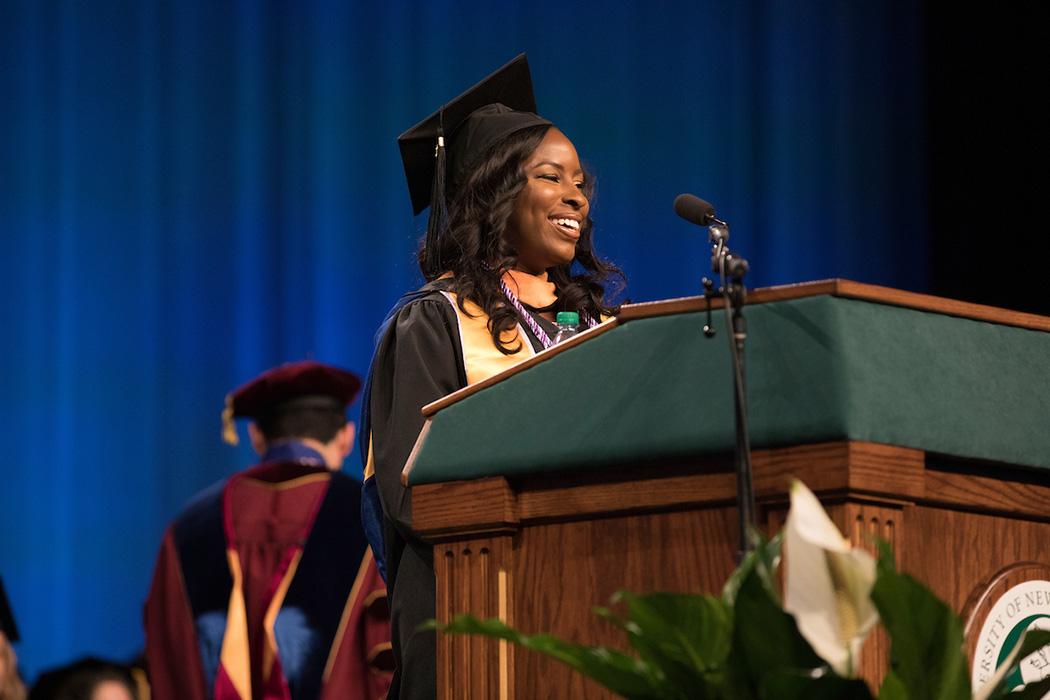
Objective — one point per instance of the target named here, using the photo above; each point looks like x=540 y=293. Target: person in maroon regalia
x=265 y=587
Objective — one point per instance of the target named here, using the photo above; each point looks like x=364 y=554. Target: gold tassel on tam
x=229 y=429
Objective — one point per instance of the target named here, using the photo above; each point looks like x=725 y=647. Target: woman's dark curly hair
x=478 y=212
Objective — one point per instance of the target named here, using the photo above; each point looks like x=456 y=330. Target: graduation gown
x=426 y=349
x=265 y=587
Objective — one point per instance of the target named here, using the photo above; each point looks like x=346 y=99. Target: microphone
x=694 y=210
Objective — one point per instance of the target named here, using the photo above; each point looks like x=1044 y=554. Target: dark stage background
x=192 y=191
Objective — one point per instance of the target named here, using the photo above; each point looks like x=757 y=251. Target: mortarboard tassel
x=436 y=221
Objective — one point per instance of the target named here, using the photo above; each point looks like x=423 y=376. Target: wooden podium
x=606 y=464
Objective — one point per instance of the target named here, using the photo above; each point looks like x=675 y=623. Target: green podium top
x=819 y=369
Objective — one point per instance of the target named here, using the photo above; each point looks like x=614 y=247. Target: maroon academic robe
x=265 y=589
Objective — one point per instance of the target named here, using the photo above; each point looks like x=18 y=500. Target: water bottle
x=568 y=325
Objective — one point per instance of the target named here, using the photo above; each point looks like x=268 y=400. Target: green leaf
x=608 y=615
x=767 y=635
x=926 y=637
x=771 y=660
x=634 y=679
x=885 y=550
x=1030 y=642
x=892 y=688
x=764 y=558
x=786 y=686
x=1031 y=691
x=687 y=636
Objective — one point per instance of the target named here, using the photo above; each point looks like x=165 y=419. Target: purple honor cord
x=533 y=325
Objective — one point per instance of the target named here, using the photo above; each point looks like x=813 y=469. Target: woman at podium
x=509 y=219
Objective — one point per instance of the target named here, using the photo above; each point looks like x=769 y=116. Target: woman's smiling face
x=551 y=209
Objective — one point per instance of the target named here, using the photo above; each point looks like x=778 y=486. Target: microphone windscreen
x=693 y=209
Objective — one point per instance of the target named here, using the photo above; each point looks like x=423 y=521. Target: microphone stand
x=731 y=269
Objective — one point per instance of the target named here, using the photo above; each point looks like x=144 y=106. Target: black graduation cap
x=498 y=106
x=7 y=619
x=308 y=384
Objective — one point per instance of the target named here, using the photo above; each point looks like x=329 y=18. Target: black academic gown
x=419 y=359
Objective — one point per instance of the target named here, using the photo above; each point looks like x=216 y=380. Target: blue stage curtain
x=192 y=191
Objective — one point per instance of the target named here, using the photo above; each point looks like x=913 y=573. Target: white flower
x=828 y=583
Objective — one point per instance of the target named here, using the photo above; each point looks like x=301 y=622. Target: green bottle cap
x=570 y=318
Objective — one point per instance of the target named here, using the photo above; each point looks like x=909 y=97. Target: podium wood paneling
x=541 y=554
